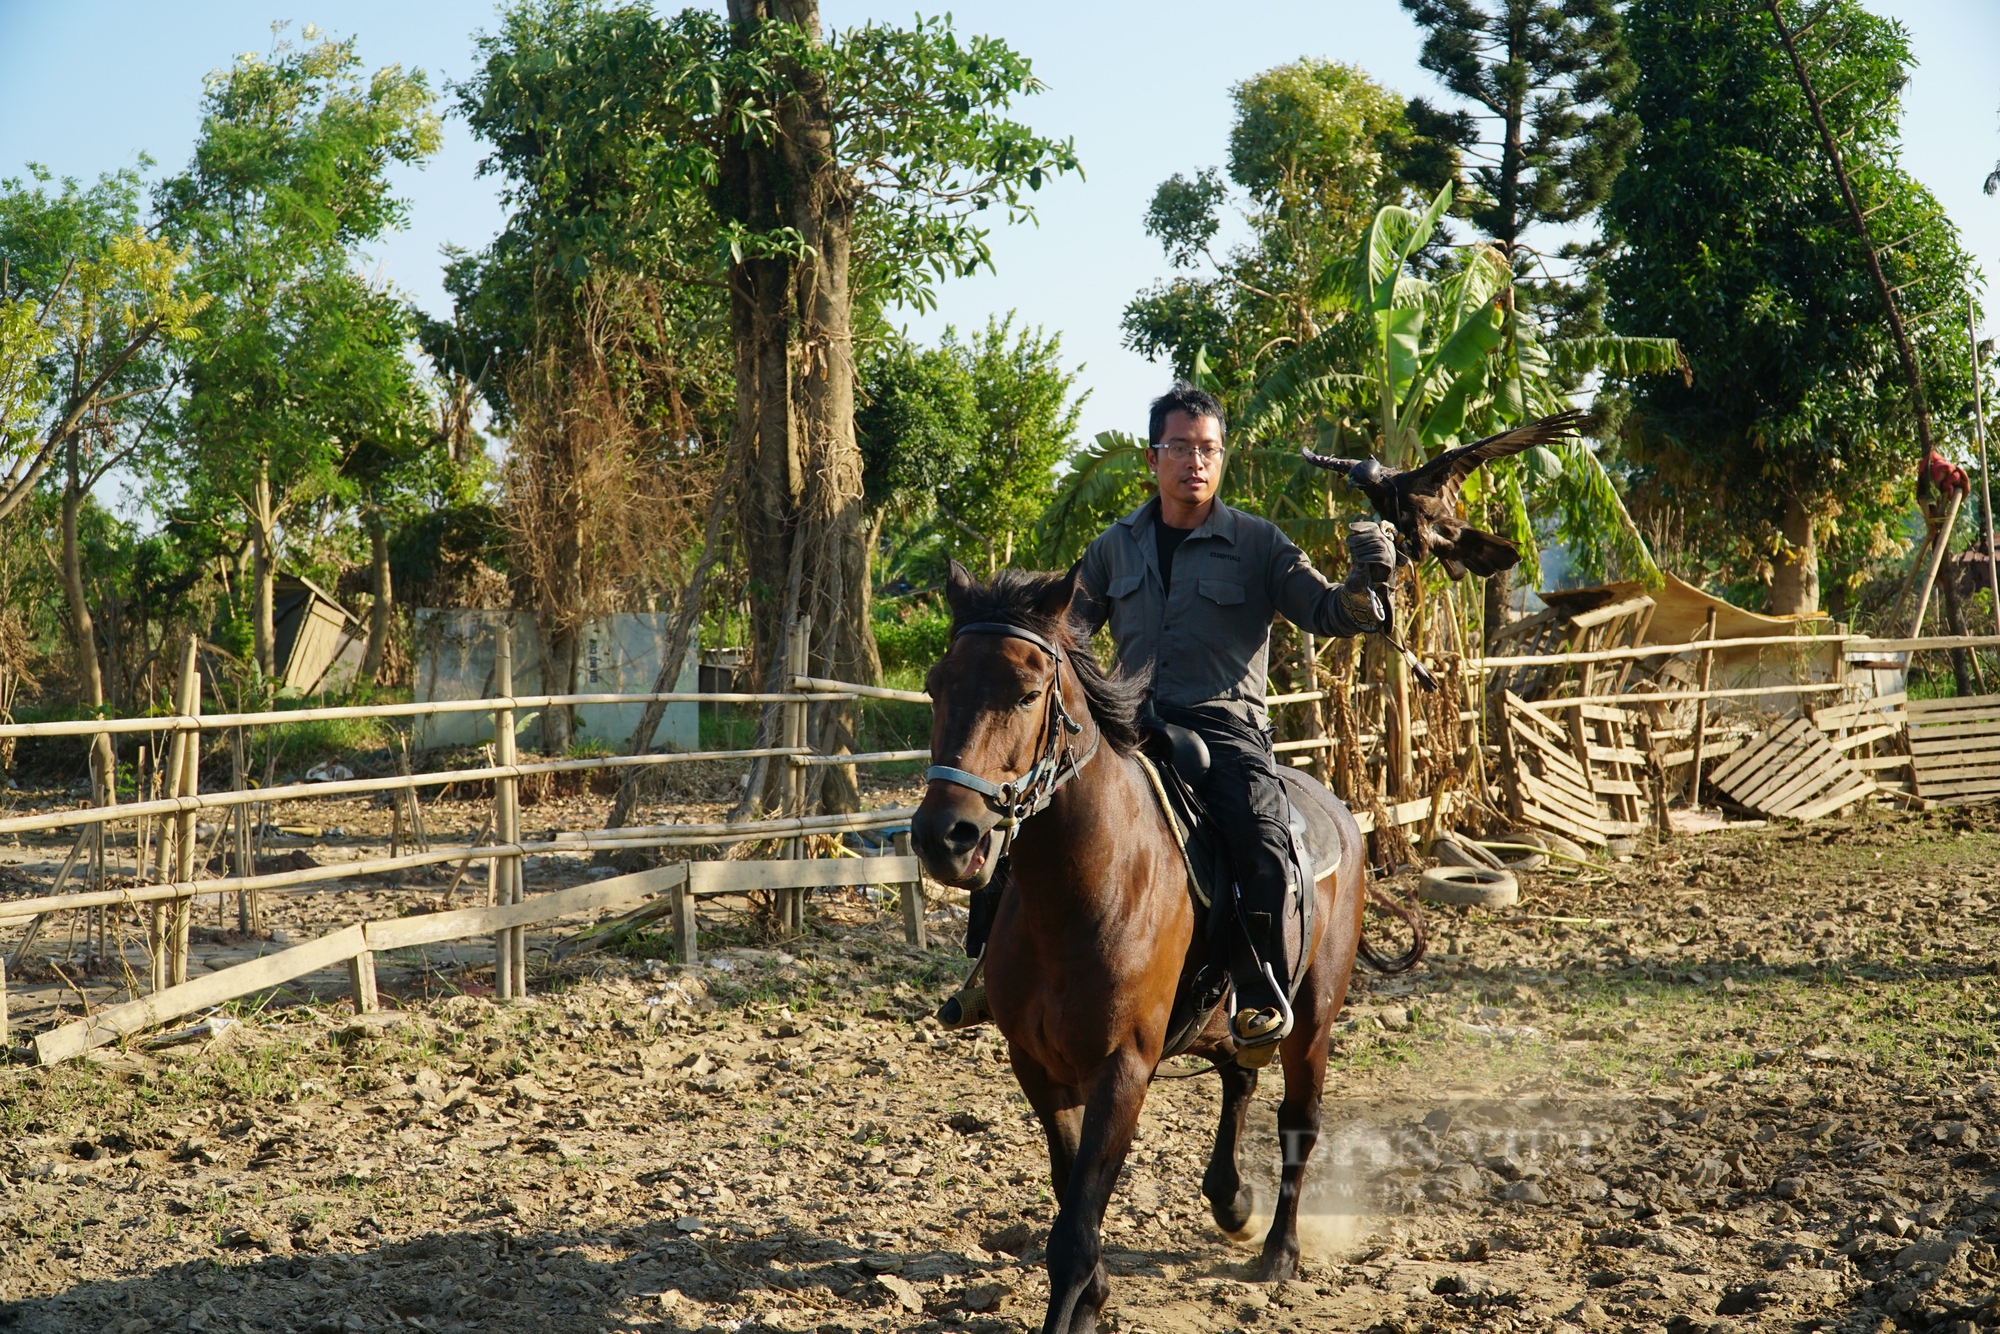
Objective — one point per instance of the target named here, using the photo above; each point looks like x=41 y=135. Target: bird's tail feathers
x=1484 y=554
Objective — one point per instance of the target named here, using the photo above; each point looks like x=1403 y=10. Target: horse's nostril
x=962 y=836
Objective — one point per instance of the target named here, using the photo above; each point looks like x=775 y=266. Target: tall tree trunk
x=264 y=571
x=83 y=631
x=559 y=639
x=381 y=611
x=1795 y=573
x=793 y=321
x=1964 y=671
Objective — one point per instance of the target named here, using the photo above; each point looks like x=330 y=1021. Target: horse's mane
x=1015 y=597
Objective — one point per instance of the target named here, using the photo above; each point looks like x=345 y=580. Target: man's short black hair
x=1183 y=397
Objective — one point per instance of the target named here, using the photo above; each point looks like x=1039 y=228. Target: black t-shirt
x=1167 y=541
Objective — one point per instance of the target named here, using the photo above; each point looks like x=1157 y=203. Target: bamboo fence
x=166 y=835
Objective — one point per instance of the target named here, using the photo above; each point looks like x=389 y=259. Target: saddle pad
x=1181 y=823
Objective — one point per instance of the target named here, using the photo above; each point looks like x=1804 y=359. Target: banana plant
x=1435 y=361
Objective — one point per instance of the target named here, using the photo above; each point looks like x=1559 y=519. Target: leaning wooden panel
x=199 y=993
x=1841 y=798
x=1954 y=737
x=1953 y=704
x=1955 y=748
x=1753 y=766
x=1811 y=767
x=432 y=928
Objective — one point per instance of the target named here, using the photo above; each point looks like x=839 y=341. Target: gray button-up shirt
x=1211 y=638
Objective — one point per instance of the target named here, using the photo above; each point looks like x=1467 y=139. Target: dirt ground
x=1743 y=1082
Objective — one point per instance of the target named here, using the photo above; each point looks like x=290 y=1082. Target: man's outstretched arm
x=1309 y=601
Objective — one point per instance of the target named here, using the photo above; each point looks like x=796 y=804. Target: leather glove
x=1371 y=551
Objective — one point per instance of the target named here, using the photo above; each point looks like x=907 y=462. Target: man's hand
x=1371 y=551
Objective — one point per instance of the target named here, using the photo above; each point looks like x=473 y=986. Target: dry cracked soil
x=1746 y=1081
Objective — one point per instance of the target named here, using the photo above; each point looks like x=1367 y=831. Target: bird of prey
x=1422 y=503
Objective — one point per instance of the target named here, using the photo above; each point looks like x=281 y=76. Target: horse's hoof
x=1279 y=1267
x=1233 y=1218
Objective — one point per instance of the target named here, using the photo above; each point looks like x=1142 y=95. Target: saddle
x=1177 y=761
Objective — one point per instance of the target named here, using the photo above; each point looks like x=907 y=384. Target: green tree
x=917 y=422
x=821 y=177
x=1315 y=148
x=962 y=442
x=1546 y=78
x=1792 y=443
x=1410 y=365
x=302 y=361
x=93 y=306
x=597 y=323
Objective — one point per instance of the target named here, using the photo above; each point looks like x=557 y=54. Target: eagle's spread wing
x=1455 y=465
x=1327 y=461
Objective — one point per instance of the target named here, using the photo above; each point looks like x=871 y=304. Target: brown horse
x=1034 y=757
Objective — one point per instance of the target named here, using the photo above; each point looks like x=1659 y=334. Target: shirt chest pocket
x=1124 y=585
x=1223 y=592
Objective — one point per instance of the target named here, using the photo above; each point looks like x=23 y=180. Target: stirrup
x=964 y=1008
x=1258 y=1032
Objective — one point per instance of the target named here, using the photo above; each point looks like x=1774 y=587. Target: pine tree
x=1544 y=75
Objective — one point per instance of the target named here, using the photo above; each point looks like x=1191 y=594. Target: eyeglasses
x=1182 y=453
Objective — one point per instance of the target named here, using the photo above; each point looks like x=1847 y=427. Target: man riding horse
x=1189 y=586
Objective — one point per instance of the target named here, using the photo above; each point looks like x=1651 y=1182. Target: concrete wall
x=619 y=655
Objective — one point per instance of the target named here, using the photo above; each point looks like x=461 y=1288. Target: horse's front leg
x=1323 y=992
x=1078 y=1287
x=1304 y=1057
x=1229 y=1199
x=1058 y=1108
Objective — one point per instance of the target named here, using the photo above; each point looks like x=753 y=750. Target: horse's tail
x=1413 y=918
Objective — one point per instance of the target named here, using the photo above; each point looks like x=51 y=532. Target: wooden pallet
x=1603 y=740
x=1873 y=734
x=1792 y=771
x=1955 y=748
x=1546 y=786
x=1556 y=631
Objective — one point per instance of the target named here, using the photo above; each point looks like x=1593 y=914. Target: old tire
x=1463 y=852
x=1516 y=858
x=1469 y=886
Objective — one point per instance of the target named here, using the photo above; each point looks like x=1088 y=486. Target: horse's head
x=990 y=718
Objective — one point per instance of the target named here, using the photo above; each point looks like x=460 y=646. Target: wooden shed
x=319 y=643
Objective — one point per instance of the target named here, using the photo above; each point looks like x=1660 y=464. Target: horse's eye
x=1028 y=699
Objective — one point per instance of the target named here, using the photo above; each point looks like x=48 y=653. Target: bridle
x=1056 y=761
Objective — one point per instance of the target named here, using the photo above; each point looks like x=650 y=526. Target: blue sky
x=87 y=85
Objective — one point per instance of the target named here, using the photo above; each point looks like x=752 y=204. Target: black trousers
x=1243 y=795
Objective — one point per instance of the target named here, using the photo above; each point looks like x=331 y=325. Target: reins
x=1056 y=762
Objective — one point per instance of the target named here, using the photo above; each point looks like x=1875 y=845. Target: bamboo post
x=1402 y=762
x=913 y=898
x=185 y=840
x=248 y=916
x=1701 y=716
x=361 y=972
x=506 y=818
x=687 y=951
x=798 y=635
x=104 y=790
x=1943 y=543
x=1985 y=473
x=157 y=928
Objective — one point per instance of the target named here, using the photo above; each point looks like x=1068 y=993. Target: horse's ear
x=1061 y=595
x=957 y=583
